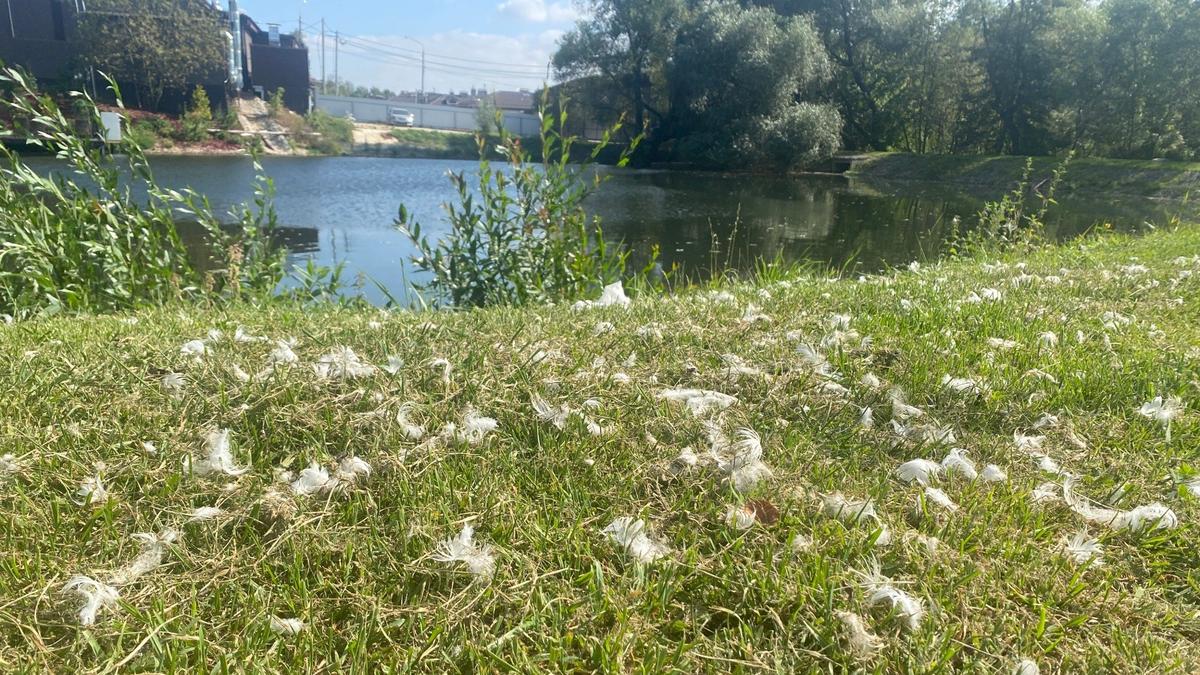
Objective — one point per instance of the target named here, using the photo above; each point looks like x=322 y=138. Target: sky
x=495 y=44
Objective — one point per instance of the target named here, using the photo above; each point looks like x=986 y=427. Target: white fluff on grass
x=555 y=415
x=353 y=469
x=686 y=460
x=1002 y=344
x=1045 y=493
x=957 y=462
x=9 y=464
x=203 y=513
x=1028 y=443
x=1139 y=519
x=341 y=363
x=411 y=431
x=754 y=315
x=740 y=460
x=281 y=626
x=920 y=471
x=1026 y=667
x=963 y=385
x=174 y=384
x=613 y=295
x=1083 y=549
x=993 y=474
x=1163 y=411
x=937 y=496
x=474 y=429
x=194 y=349
x=314 y=480
x=740 y=517
x=282 y=354
x=814 y=360
x=1048 y=339
x=444 y=367
x=150 y=557
x=462 y=548
x=838 y=506
x=929 y=434
x=1045 y=463
x=217 y=458
x=92 y=491
x=901 y=410
x=866 y=419
x=96 y=596
x=699 y=401
x=630 y=534
x=394 y=365
x=882 y=591
x=862 y=642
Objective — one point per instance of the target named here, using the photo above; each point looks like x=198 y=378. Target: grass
x=423 y=143
x=1140 y=178
x=356 y=565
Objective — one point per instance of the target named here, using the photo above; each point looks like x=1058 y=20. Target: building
x=271 y=60
x=34 y=35
x=42 y=37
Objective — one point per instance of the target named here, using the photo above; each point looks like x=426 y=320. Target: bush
x=198 y=117
x=275 y=103
x=80 y=241
x=336 y=133
x=525 y=237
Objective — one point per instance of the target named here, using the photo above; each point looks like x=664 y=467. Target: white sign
x=110 y=125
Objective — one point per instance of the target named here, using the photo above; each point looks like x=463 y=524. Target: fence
x=429 y=116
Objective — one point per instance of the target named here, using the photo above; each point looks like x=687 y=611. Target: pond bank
x=1062 y=346
x=1137 y=178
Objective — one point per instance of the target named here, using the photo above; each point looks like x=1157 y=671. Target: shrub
x=198 y=117
x=336 y=133
x=525 y=237
x=78 y=240
x=275 y=103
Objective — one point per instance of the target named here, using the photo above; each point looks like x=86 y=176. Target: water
x=341 y=209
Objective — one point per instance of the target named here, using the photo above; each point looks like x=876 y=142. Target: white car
x=401 y=117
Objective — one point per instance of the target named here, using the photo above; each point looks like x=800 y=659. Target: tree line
x=784 y=82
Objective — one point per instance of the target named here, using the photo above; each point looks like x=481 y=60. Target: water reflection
x=341 y=210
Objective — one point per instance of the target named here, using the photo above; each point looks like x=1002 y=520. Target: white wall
x=430 y=116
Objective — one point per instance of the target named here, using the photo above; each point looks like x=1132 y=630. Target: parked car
x=401 y=117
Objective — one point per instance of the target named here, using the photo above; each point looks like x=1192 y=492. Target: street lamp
x=422 y=45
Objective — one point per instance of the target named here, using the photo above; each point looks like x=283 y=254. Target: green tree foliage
x=713 y=83
x=736 y=77
x=198 y=118
x=1117 y=78
x=153 y=45
x=275 y=103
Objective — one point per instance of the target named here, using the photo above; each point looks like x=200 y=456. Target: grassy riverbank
x=1155 y=179
x=83 y=396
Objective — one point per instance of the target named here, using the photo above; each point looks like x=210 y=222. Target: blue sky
x=499 y=44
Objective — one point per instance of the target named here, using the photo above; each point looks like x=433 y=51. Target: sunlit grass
x=80 y=396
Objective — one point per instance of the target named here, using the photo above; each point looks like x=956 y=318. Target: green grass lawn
x=359 y=562
x=1086 y=175
x=424 y=143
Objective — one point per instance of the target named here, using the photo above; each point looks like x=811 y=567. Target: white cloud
x=539 y=11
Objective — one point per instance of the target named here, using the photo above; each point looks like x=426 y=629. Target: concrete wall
x=429 y=116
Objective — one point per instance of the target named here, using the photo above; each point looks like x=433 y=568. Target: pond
x=341 y=209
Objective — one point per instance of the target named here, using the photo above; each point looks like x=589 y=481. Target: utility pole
x=337 y=82
x=421 y=98
x=323 y=88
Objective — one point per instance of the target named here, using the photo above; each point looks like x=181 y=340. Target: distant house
x=515 y=101
x=271 y=60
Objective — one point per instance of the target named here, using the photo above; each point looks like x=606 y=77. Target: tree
x=153 y=45
x=739 y=80
x=628 y=45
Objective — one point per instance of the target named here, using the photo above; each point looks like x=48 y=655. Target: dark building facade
x=271 y=61
x=34 y=35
